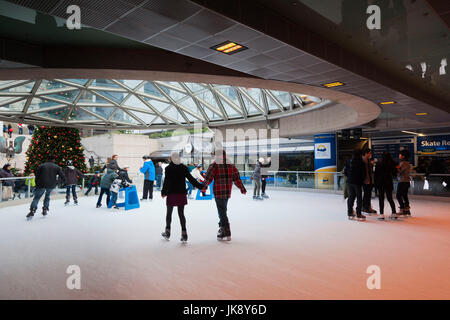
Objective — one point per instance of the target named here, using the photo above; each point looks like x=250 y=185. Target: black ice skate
x=224 y=234
x=166 y=234
x=31 y=214
x=44 y=211
x=361 y=217
x=67 y=202
x=394 y=216
x=184 y=236
x=406 y=212
x=75 y=201
x=265 y=196
x=351 y=217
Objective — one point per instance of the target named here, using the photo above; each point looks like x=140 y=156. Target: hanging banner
x=433 y=143
x=325 y=160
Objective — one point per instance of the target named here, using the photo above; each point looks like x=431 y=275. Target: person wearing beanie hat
x=46 y=180
x=148 y=169
x=197 y=174
x=94 y=182
x=7 y=185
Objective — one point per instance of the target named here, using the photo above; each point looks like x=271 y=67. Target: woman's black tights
x=180 y=215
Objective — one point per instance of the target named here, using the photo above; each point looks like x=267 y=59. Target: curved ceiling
x=95 y=99
x=144 y=104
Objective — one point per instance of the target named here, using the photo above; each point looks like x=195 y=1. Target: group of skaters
x=8 y=130
x=362 y=176
x=221 y=171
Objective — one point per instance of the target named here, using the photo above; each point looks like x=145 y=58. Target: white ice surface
x=292 y=246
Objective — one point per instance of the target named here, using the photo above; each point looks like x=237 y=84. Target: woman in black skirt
x=174 y=188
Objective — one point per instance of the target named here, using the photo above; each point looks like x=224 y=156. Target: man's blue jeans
x=114 y=198
x=38 y=193
x=158 y=181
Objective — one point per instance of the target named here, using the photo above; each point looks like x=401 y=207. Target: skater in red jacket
x=224 y=175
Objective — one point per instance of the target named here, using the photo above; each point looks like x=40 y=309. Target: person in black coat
x=46 y=181
x=355 y=171
x=174 y=187
x=94 y=182
x=123 y=175
x=7 y=185
x=113 y=163
x=72 y=174
x=384 y=172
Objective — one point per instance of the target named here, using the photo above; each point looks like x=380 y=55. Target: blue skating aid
x=209 y=196
x=131 y=199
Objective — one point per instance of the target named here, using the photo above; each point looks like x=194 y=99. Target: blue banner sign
x=433 y=143
x=325 y=160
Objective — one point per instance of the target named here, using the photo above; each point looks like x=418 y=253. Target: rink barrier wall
x=437 y=185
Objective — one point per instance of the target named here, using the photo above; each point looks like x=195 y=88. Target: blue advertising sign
x=433 y=143
x=324 y=160
x=325 y=152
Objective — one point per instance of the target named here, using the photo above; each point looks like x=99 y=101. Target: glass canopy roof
x=143 y=104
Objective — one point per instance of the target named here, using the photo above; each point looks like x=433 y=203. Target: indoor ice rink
x=295 y=245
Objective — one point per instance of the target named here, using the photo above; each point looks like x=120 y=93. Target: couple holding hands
x=221 y=171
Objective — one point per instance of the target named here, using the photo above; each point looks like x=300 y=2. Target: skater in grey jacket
x=256 y=177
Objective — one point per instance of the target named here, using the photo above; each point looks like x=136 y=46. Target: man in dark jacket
x=7 y=185
x=368 y=182
x=72 y=174
x=45 y=183
x=356 y=173
x=113 y=163
x=94 y=182
x=123 y=174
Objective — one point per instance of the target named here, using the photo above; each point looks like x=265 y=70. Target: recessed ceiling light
x=387 y=102
x=333 y=84
x=229 y=47
x=421 y=113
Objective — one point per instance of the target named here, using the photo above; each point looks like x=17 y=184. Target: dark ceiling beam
x=153 y=59
x=265 y=20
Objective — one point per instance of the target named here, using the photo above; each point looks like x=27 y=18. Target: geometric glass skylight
x=110 y=103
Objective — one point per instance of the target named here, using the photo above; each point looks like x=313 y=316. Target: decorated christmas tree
x=63 y=143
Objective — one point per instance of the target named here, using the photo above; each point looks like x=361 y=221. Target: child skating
x=174 y=188
x=72 y=174
x=120 y=182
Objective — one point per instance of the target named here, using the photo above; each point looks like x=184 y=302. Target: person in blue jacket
x=148 y=169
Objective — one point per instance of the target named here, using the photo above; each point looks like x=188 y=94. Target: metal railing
x=421 y=184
